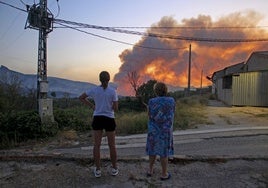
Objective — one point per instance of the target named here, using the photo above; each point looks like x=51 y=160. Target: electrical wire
x=135 y=45
x=149 y=34
x=1 y=2
x=58 y=5
x=191 y=27
x=182 y=28
x=23 y=3
x=160 y=35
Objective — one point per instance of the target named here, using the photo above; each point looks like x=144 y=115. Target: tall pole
x=201 y=82
x=189 y=72
x=42 y=56
x=40 y=19
x=45 y=105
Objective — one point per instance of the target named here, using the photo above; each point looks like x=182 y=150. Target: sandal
x=166 y=178
x=149 y=174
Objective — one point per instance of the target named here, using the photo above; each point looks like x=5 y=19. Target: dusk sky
x=79 y=56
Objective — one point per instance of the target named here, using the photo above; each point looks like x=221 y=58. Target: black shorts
x=103 y=122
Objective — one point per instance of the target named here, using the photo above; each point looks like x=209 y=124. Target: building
x=244 y=84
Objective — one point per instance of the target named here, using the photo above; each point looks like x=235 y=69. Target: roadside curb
x=41 y=158
x=132 y=141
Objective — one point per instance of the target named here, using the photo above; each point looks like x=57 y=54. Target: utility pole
x=201 y=82
x=189 y=72
x=40 y=19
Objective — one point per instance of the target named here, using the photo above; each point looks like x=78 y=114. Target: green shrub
x=131 y=123
x=72 y=119
x=189 y=112
x=131 y=104
x=49 y=128
x=22 y=126
x=132 y=118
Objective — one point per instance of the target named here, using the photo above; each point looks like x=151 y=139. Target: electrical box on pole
x=41 y=19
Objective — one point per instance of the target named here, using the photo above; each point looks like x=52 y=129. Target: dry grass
x=132 y=123
x=189 y=113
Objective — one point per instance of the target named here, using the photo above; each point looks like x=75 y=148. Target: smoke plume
x=171 y=66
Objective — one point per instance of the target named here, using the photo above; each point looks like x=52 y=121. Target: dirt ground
x=57 y=174
x=68 y=173
x=222 y=116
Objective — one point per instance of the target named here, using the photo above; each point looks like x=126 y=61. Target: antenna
x=41 y=19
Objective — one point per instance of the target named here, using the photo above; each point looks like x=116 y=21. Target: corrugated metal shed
x=244 y=84
x=258 y=61
x=234 y=68
x=250 y=89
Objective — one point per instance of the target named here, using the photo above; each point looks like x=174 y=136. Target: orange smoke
x=171 y=66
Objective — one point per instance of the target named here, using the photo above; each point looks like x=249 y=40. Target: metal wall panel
x=258 y=62
x=224 y=95
x=250 y=89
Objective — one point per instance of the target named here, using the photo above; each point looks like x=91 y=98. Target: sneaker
x=97 y=173
x=114 y=171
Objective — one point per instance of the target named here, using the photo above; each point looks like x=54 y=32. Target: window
x=227 y=82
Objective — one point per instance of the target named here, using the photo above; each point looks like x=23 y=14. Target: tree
x=146 y=91
x=134 y=79
x=53 y=94
x=30 y=99
x=11 y=91
x=66 y=97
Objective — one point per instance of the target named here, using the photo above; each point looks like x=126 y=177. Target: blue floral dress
x=160 y=126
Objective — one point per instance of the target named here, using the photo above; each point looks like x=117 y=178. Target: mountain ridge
x=60 y=86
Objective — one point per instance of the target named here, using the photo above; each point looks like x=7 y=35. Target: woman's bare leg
x=96 y=149
x=151 y=163
x=164 y=165
x=111 y=143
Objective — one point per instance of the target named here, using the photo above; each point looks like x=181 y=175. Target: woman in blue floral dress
x=160 y=129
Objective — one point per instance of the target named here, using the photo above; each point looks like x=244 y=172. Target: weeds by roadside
x=21 y=127
x=190 y=112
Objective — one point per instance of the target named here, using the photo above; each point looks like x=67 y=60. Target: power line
x=58 y=13
x=65 y=26
x=182 y=27
x=140 y=46
x=157 y=27
x=12 y=6
x=23 y=3
x=190 y=27
x=160 y=35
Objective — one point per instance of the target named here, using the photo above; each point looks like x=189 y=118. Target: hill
x=62 y=87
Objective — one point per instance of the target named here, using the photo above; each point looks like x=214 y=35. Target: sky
x=81 y=56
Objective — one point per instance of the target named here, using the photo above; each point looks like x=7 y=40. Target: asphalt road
x=208 y=159
x=249 y=146
x=256 y=145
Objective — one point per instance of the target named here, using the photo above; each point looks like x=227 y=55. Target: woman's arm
x=115 y=106
x=83 y=99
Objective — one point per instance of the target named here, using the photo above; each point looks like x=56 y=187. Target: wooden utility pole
x=189 y=72
x=201 y=82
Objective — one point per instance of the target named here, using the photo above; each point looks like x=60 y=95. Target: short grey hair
x=160 y=89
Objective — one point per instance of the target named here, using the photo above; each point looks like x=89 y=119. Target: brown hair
x=160 y=89
x=104 y=76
